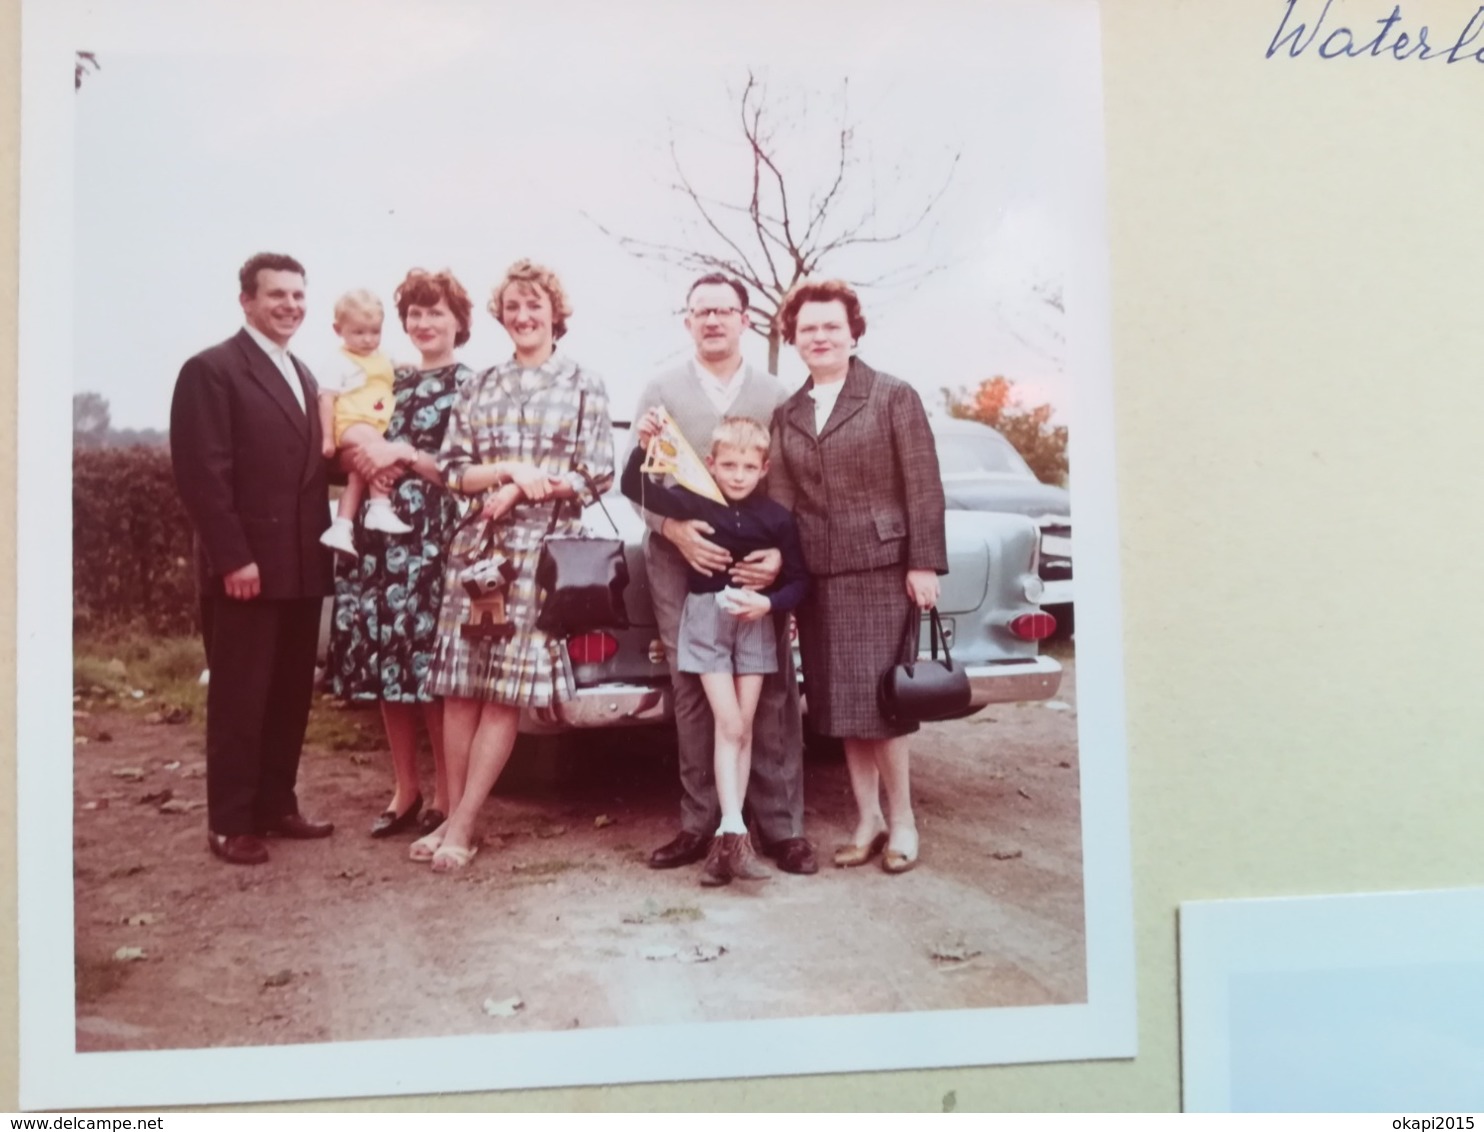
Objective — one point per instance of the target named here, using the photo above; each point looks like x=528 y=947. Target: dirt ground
x=345 y=939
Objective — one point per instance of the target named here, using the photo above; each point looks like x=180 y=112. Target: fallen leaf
x=1007 y=854
x=702 y=953
x=954 y=950
x=131 y=772
x=128 y=954
x=128 y=871
x=1057 y=705
x=115 y=667
x=549 y=831
x=140 y=919
x=155 y=797
x=1065 y=764
x=78 y=713
x=346 y=874
x=659 y=953
x=279 y=978
x=104 y=737
x=504 y=1008
x=1023 y=792
x=172 y=765
x=100 y=804
x=176 y=806
x=136 y=694
x=602 y=820
x=79 y=740
x=360 y=760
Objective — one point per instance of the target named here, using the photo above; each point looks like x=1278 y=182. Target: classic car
x=983 y=472
x=990 y=605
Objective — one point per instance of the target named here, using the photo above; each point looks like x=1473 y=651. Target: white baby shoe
x=340 y=537
x=381 y=517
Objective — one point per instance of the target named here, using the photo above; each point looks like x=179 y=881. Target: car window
x=980 y=454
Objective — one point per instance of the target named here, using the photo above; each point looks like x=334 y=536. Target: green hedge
x=131 y=544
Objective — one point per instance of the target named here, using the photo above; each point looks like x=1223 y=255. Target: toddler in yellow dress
x=355 y=405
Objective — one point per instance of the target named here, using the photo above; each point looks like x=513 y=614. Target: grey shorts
x=712 y=640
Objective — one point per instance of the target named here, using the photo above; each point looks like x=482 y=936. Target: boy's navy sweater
x=754 y=523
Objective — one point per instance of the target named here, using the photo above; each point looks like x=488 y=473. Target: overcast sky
x=372 y=137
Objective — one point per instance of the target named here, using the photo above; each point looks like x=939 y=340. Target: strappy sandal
x=452 y=859
x=424 y=849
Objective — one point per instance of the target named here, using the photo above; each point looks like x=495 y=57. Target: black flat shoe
x=432 y=819
x=392 y=822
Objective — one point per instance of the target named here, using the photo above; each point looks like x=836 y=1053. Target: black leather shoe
x=686 y=849
x=793 y=855
x=296 y=827
x=238 y=849
x=392 y=822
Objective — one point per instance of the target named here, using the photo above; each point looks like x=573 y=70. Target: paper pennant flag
x=670 y=455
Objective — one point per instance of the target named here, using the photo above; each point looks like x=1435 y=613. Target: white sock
x=732 y=824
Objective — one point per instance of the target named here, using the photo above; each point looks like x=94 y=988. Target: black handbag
x=924 y=690
x=580 y=579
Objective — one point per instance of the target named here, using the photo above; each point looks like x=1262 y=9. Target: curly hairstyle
x=528 y=276
x=426 y=289
x=824 y=291
x=247 y=274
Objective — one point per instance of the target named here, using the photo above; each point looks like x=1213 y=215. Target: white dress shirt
x=825 y=397
x=281 y=359
x=721 y=394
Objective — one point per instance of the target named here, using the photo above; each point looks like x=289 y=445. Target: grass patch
x=165 y=669
x=344 y=727
x=545 y=868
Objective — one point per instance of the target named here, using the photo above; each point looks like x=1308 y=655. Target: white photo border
x=54 y=1075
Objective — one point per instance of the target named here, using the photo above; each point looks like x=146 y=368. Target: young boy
x=355 y=405
x=727 y=635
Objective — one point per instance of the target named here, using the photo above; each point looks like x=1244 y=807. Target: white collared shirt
x=721 y=394
x=825 y=397
x=280 y=358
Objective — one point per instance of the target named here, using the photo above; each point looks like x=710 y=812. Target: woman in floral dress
x=386 y=600
x=515 y=438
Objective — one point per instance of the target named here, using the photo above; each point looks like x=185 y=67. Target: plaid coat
x=866 y=492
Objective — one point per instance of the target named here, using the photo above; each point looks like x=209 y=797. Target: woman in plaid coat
x=854 y=458
x=517 y=437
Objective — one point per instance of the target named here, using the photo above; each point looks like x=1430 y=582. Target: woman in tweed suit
x=855 y=460
x=516 y=436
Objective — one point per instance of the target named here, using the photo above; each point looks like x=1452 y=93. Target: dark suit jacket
x=250 y=471
x=866 y=492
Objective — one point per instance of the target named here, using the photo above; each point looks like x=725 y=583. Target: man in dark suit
x=245 y=443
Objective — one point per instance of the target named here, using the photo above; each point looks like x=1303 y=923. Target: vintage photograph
x=572 y=565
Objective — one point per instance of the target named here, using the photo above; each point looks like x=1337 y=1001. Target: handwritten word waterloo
x=1392 y=39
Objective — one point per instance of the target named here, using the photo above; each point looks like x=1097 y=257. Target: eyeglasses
x=703 y=313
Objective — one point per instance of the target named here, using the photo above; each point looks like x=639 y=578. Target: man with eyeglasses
x=715 y=383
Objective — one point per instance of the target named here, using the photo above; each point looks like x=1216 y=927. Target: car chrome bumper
x=602 y=705
x=1037 y=678
x=1056 y=593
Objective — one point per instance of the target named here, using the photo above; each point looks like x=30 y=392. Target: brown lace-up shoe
x=741 y=861
x=716 y=871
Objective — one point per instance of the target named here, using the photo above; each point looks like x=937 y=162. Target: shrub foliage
x=996 y=403
x=131 y=544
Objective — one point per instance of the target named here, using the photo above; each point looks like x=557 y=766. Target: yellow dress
x=372 y=401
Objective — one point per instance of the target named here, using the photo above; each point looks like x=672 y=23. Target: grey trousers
x=775 y=789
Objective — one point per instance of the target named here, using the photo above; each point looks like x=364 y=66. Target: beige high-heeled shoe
x=853 y=855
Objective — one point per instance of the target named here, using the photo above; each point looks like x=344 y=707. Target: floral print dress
x=555 y=417
x=386 y=600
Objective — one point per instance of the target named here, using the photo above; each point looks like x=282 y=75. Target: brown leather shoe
x=685 y=849
x=297 y=827
x=238 y=849
x=742 y=863
x=716 y=871
x=793 y=855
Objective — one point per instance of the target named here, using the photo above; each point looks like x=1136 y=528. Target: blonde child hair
x=359 y=301
x=741 y=433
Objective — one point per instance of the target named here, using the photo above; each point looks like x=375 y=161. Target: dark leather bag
x=580 y=579
x=924 y=690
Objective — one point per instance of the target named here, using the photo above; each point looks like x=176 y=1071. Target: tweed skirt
x=851 y=630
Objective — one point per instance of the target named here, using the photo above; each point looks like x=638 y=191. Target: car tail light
x=1033 y=626
x=591 y=648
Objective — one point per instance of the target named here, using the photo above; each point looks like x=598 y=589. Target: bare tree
x=86 y=61
x=793 y=214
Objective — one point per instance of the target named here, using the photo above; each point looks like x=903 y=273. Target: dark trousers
x=261 y=656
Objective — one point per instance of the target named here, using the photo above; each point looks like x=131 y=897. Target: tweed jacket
x=866 y=492
x=250 y=471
